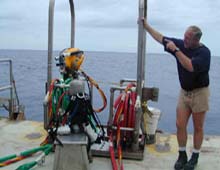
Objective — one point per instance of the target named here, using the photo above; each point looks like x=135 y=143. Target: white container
x=152 y=120
x=90 y=132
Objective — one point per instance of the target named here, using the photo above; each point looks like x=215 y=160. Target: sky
x=105 y=25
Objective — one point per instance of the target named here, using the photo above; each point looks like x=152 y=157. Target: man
x=193 y=63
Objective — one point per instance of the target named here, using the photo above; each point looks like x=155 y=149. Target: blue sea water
x=30 y=73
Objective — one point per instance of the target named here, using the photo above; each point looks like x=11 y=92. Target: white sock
x=182 y=148
x=196 y=150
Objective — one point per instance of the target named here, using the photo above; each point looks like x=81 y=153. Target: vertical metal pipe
x=144 y=44
x=110 y=118
x=72 y=11
x=50 y=42
x=50 y=54
x=140 y=72
x=11 y=104
x=46 y=118
x=141 y=49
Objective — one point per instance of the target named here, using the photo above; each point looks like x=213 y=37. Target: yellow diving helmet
x=73 y=58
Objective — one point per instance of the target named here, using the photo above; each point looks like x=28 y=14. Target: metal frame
x=140 y=54
x=50 y=47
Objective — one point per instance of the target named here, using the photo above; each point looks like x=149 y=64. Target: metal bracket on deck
x=73 y=154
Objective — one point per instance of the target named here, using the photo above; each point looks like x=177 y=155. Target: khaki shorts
x=194 y=101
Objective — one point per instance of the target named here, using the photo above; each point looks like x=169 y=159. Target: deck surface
x=22 y=135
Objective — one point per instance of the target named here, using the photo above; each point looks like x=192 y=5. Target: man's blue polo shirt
x=200 y=58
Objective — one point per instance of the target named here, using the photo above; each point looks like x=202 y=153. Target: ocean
x=107 y=68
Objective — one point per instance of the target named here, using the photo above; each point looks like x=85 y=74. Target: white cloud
x=23 y=24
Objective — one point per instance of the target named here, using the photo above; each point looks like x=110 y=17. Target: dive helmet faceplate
x=72 y=58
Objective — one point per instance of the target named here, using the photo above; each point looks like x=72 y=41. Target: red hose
x=124 y=116
x=117 y=100
x=112 y=153
x=119 y=110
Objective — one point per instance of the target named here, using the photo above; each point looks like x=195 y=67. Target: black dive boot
x=191 y=164
x=181 y=161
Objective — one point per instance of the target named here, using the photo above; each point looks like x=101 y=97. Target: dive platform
x=17 y=136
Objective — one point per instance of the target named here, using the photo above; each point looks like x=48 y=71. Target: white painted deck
x=19 y=136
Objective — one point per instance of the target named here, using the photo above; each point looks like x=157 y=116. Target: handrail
x=5 y=87
x=10 y=86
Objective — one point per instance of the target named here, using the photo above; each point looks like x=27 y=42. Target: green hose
x=27 y=166
x=7 y=158
x=34 y=150
x=46 y=149
x=56 y=94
